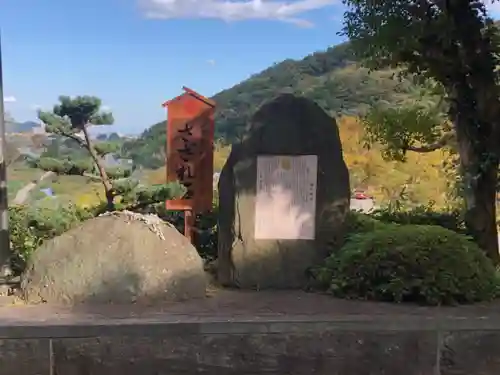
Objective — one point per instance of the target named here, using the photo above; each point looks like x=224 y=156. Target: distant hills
x=20 y=127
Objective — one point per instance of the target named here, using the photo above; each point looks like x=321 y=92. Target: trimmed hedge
x=423 y=215
x=357 y=222
x=418 y=263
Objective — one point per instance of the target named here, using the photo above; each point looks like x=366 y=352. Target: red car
x=361 y=195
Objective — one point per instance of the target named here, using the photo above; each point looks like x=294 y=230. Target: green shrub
x=78 y=167
x=31 y=225
x=423 y=215
x=52 y=164
x=62 y=166
x=207 y=240
x=118 y=172
x=23 y=238
x=425 y=264
x=357 y=222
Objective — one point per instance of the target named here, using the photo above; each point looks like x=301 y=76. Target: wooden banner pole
x=189 y=219
x=189 y=159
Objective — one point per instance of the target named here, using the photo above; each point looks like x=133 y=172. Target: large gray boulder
x=292 y=126
x=121 y=257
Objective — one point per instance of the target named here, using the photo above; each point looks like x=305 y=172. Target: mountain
x=20 y=127
x=149 y=149
x=331 y=78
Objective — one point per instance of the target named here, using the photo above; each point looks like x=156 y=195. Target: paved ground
x=237 y=304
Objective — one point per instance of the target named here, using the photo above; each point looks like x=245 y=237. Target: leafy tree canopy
x=455 y=44
x=71 y=116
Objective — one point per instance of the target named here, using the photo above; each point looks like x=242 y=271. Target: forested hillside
x=331 y=78
x=345 y=90
x=149 y=149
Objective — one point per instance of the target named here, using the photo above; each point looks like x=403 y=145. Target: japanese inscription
x=188 y=151
x=285 y=205
x=190 y=130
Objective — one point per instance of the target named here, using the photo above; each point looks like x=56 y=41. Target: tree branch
x=442 y=142
x=77 y=139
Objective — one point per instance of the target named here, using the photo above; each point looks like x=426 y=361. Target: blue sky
x=135 y=54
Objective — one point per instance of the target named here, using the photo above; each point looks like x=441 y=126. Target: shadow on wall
x=292 y=126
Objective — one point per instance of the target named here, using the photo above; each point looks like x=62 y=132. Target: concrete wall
x=363 y=205
x=348 y=346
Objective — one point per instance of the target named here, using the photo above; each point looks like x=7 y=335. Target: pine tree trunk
x=108 y=187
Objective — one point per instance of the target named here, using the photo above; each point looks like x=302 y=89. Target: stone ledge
x=238 y=312
x=238 y=326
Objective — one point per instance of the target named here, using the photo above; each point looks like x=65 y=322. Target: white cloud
x=211 y=62
x=493 y=8
x=234 y=10
x=9 y=99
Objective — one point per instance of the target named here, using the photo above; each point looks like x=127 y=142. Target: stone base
x=162 y=340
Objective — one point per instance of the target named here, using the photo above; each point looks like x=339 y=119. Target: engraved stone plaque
x=285 y=205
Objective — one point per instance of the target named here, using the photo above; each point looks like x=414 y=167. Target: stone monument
x=283 y=195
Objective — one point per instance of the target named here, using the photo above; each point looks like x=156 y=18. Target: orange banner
x=190 y=138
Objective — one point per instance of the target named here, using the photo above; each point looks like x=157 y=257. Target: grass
x=71 y=187
x=19 y=175
x=13 y=187
x=23 y=173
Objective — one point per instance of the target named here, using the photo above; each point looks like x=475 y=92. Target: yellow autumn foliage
x=221 y=154
x=88 y=199
x=421 y=177
x=153 y=177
